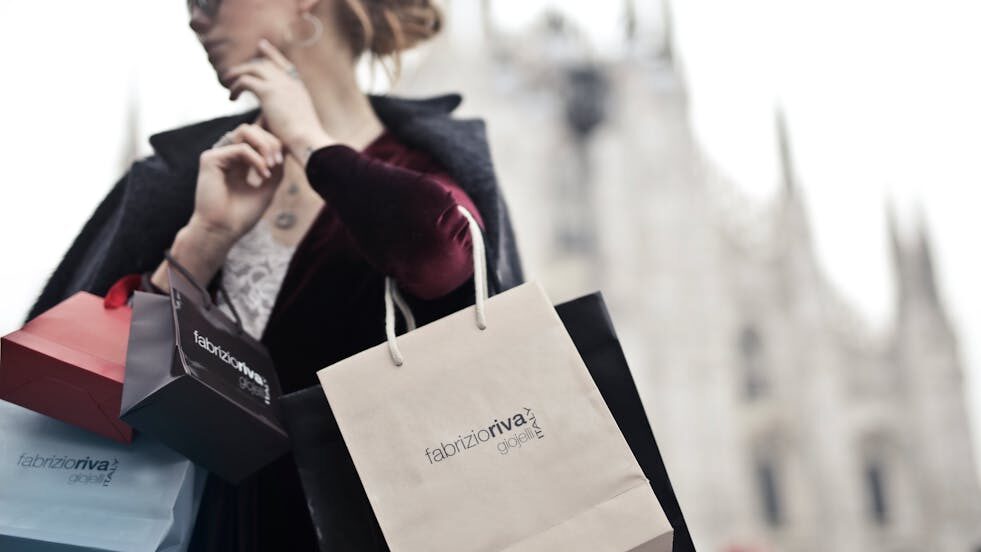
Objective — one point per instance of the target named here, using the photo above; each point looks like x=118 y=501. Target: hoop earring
x=318 y=31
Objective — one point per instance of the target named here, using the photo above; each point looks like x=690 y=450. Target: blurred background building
x=786 y=423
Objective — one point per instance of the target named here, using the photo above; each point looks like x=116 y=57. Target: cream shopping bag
x=484 y=431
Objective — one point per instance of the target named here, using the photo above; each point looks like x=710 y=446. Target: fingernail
x=279 y=157
x=263 y=42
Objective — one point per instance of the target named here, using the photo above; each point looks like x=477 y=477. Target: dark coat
x=138 y=219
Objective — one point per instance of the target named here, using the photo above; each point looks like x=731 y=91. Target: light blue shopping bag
x=65 y=489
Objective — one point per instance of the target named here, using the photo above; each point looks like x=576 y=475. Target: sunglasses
x=209 y=7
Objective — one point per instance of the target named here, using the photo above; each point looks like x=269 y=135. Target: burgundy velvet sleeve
x=405 y=223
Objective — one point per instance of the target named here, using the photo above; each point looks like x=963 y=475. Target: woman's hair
x=386 y=28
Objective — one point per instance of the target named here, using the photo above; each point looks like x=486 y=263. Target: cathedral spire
x=895 y=242
x=667 y=32
x=487 y=25
x=924 y=258
x=901 y=258
x=795 y=222
x=913 y=261
x=630 y=21
x=788 y=172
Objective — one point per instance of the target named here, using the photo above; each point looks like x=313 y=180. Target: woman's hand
x=236 y=182
x=287 y=107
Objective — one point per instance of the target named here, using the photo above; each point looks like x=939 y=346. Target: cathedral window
x=768 y=484
x=875 y=492
x=755 y=384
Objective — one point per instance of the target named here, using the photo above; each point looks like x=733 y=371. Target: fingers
x=274 y=54
x=249 y=82
x=258 y=67
x=264 y=67
x=247 y=154
x=263 y=141
x=225 y=156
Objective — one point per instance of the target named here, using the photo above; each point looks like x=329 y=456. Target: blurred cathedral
x=785 y=421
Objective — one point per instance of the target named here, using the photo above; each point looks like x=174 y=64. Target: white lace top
x=252 y=275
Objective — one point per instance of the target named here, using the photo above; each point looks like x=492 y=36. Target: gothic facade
x=786 y=422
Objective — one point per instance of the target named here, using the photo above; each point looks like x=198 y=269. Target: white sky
x=881 y=97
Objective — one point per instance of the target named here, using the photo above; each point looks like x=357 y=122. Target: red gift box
x=69 y=362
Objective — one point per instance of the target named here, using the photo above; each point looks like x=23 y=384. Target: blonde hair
x=386 y=28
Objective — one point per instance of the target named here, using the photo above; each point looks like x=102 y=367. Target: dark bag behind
x=198 y=383
x=338 y=504
x=588 y=323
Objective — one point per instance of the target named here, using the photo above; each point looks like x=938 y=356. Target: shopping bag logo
x=508 y=434
x=81 y=471
x=205 y=343
x=194 y=336
x=249 y=381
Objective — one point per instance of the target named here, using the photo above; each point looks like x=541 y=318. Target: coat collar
x=180 y=147
x=139 y=218
x=459 y=145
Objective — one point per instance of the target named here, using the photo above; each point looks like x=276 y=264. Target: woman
x=300 y=208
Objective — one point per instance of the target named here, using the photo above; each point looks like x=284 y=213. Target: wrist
x=307 y=142
x=200 y=248
x=199 y=233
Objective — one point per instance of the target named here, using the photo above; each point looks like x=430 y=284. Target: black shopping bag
x=338 y=504
x=588 y=323
x=201 y=385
